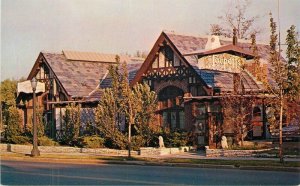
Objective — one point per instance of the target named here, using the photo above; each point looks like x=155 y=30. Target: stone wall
x=231 y=153
x=60 y=149
x=164 y=151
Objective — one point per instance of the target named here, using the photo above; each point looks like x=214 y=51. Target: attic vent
x=212 y=42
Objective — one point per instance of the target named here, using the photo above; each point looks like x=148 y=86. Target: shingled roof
x=188 y=45
x=79 y=73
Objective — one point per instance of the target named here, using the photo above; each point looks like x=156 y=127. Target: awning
x=25 y=87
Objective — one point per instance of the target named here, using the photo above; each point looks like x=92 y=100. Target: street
x=41 y=173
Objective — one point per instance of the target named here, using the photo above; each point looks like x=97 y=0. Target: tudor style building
x=190 y=74
x=68 y=77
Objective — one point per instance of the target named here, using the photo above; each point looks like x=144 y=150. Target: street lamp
x=35 y=151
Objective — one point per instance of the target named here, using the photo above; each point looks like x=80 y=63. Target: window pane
x=154 y=64
x=181 y=119
x=176 y=61
x=173 y=120
x=161 y=60
x=165 y=119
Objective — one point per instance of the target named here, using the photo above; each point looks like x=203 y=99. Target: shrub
x=39 y=123
x=45 y=141
x=23 y=140
x=71 y=125
x=13 y=123
x=175 y=138
x=91 y=142
x=178 y=139
x=137 y=142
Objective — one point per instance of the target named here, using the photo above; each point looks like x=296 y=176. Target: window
x=192 y=80
x=181 y=120
x=155 y=63
x=170 y=94
x=176 y=61
x=161 y=60
x=172 y=113
x=173 y=119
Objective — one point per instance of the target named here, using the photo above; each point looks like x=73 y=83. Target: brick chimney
x=234 y=38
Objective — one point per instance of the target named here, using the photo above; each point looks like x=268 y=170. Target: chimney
x=234 y=39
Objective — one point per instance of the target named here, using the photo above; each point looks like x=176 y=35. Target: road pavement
x=39 y=173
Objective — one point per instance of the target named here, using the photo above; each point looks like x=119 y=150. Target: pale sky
x=112 y=26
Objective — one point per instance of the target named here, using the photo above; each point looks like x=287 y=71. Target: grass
x=236 y=163
x=81 y=157
x=289 y=148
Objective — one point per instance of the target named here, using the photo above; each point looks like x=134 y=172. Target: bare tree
x=236 y=18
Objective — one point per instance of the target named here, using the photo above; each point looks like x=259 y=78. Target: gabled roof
x=232 y=49
x=78 y=77
x=132 y=70
x=189 y=47
x=96 y=94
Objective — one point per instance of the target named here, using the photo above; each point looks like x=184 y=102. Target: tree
x=13 y=122
x=279 y=75
x=293 y=64
x=39 y=123
x=71 y=124
x=9 y=92
x=121 y=103
x=285 y=85
x=145 y=120
x=109 y=115
x=106 y=120
x=293 y=81
x=7 y=98
x=237 y=110
x=256 y=57
x=129 y=104
x=236 y=18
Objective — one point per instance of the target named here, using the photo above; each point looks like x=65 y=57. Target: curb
x=143 y=163
x=285 y=169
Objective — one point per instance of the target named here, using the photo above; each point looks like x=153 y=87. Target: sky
x=113 y=26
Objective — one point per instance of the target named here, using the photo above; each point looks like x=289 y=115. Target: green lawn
x=236 y=163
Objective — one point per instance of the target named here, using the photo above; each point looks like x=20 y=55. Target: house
x=190 y=75
x=68 y=77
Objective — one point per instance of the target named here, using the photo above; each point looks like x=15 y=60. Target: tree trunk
x=129 y=140
x=129 y=131
x=280 y=127
x=242 y=135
